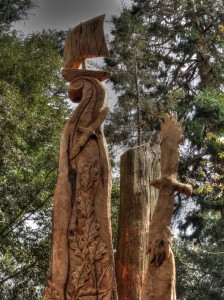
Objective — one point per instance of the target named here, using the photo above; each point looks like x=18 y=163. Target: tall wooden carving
x=159 y=282
x=138 y=199
x=82 y=265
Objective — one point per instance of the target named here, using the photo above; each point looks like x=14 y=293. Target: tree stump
x=137 y=202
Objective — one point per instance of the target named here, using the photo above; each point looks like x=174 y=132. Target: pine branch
x=20 y=271
x=27 y=217
x=23 y=210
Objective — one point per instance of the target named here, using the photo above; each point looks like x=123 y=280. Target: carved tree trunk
x=137 y=202
x=82 y=255
x=160 y=280
x=82 y=264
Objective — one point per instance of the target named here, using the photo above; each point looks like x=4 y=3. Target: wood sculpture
x=82 y=265
x=159 y=282
x=138 y=199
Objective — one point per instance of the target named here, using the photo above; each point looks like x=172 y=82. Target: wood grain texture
x=137 y=202
x=160 y=278
x=70 y=74
x=86 y=40
x=82 y=264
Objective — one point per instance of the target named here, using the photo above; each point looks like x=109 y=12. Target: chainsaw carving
x=159 y=282
x=82 y=265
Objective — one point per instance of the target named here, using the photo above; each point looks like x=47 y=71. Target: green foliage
x=33 y=111
x=115 y=203
x=204 y=129
x=165 y=56
x=132 y=68
x=14 y=10
x=172 y=51
x=163 y=53
x=199 y=271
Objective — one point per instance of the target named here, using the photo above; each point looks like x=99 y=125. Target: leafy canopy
x=33 y=111
x=166 y=56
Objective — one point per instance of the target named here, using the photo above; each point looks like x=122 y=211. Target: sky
x=65 y=14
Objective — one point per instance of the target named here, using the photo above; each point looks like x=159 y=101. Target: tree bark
x=138 y=199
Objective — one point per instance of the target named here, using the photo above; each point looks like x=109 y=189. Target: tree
x=199 y=271
x=134 y=79
x=14 y=10
x=182 y=55
x=33 y=111
x=179 y=47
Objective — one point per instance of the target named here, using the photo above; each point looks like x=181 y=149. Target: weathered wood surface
x=70 y=74
x=82 y=264
x=86 y=40
x=159 y=282
x=137 y=202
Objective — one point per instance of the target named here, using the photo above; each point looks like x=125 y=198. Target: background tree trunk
x=139 y=165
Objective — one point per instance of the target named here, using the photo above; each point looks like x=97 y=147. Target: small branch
x=27 y=217
x=24 y=209
x=18 y=272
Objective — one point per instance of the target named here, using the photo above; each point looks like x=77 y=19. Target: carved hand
x=171 y=128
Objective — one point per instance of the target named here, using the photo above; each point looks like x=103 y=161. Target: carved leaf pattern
x=88 y=297
x=85 y=205
x=102 y=293
x=101 y=250
x=89 y=175
x=97 y=250
x=91 y=230
x=104 y=267
x=51 y=293
x=88 y=245
x=90 y=294
x=80 y=275
x=76 y=244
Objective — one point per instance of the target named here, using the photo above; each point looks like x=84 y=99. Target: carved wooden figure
x=159 y=282
x=82 y=265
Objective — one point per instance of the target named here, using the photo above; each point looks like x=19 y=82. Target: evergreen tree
x=33 y=111
x=199 y=271
x=181 y=60
x=177 y=47
x=135 y=80
x=14 y=10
